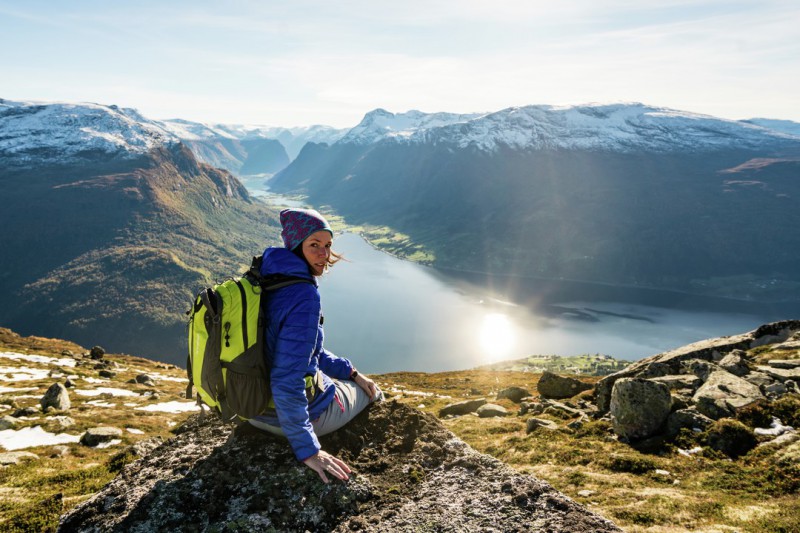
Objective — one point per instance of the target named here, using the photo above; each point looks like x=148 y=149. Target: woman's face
x=317 y=251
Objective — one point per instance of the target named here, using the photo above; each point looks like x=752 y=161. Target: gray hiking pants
x=349 y=400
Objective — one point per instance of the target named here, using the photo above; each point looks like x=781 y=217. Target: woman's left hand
x=368 y=385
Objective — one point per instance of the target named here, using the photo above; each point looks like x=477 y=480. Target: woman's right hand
x=323 y=461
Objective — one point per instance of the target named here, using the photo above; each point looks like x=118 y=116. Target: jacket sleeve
x=294 y=345
x=334 y=366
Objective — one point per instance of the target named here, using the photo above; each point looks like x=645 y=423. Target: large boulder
x=723 y=394
x=639 y=407
x=56 y=397
x=408 y=471
x=557 y=387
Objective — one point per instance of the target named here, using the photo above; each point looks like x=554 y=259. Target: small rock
x=62 y=421
x=515 y=394
x=25 y=411
x=786 y=364
x=13 y=458
x=7 y=422
x=687 y=418
x=462 y=408
x=586 y=493
x=67 y=353
x=56 y=397
x=59 y=451
x=106 y=374
x=97 y=352
x=69 y=384
x=535 y=423
x=99 y=435
x=144 y=379
x=491 y=410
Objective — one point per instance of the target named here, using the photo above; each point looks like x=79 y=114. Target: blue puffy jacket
x=294 y=350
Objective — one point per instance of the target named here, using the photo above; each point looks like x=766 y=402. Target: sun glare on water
x=496 y=337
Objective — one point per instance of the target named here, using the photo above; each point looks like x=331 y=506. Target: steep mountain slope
x=108 y=239
x=621 y=194
x=216 y=146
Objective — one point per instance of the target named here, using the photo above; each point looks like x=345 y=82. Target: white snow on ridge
x=54 y=132
x=614 y=127
x=381 y=124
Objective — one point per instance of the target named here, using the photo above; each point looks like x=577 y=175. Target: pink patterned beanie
x=298 y=224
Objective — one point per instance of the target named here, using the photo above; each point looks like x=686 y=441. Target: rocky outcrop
x=709 y=351
x=409 y=474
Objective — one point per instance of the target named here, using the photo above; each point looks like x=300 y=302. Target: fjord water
x=387 y=315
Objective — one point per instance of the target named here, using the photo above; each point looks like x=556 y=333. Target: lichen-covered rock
x=558 y=387
x=408 y=472
x=723 y=394
x=462 y=408
x=639 y=407
x=8 y=422
x=56 y=397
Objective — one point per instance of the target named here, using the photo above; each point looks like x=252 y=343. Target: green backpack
x=226 y=344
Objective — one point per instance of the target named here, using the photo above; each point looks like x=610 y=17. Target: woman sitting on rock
x=314 y=392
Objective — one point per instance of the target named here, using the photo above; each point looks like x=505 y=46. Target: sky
x=304 y=62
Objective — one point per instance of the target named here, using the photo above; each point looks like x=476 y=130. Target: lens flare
x=496 y=336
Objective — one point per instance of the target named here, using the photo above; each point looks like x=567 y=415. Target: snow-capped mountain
x=381 y=124
x=615 y=127
x=785 y=126
x=41 y=133
x=619 y=194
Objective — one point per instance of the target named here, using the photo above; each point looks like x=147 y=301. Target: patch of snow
x=18 y=439
x=109 y=443
x=33 y=358
x=775 y=429
x=689 y=453
x=105 y=390
x=170 y=407
x=101 y=403
x=162 y=377
x=135 y=431
x=95 y=380
x=22 y=373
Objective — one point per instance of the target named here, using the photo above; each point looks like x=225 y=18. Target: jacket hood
x=283 y=261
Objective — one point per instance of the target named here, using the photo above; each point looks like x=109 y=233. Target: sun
x=496 y=336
